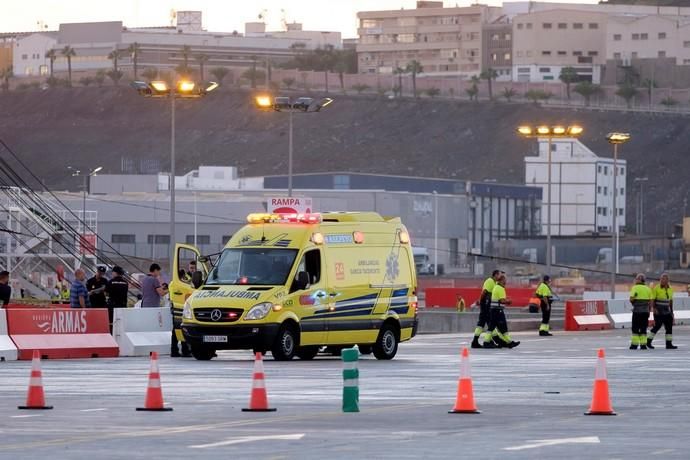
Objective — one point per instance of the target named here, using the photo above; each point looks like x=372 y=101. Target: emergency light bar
x=302 y=218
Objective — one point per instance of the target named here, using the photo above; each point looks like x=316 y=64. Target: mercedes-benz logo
x=216 y=315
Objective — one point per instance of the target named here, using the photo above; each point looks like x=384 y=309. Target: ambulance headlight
x=259 y=311
x=187 y=311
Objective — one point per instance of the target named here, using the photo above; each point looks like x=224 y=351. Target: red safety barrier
x=586 y=315
x=62 y=333
x=448 y=297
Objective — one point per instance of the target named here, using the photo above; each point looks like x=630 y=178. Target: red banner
x=448 y=297
x=61 y=332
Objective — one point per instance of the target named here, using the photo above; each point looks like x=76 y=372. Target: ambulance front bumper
x=240 y=337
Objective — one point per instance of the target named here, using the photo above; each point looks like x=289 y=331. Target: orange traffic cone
x=601 y=401
x=464 y=403
x=258 y=402
x=154 y=393
x=35 y=399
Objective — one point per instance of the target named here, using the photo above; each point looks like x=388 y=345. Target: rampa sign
x=290 y=205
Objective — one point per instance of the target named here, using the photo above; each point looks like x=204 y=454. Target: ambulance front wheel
x=386 y=345
x=287 y=341
x=202 y=353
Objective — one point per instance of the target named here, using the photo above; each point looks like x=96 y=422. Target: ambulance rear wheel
x=286 y=344
x=386 y=345
x=307 y=353
x=202 y=353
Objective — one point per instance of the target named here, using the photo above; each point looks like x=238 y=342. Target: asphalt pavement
x=532 y=400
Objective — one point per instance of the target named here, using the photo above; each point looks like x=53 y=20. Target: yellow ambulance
x=293 y=283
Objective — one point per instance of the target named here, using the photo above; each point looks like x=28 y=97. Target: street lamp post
x=287 y=104
x=639 y=227
x=182 y=89
x=549 y=132
x=615 y=139
x=435 y=233
x=76 y=173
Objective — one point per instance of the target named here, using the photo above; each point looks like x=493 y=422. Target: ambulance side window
x=310 y=263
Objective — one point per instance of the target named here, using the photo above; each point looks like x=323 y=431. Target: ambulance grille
x=218 y=315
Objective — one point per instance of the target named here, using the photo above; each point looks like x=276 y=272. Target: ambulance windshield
x=253 y=266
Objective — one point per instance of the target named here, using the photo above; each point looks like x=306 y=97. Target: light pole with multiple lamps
x=615 y=139
x=287 y=104
x=182 y=89
x=85 y=187
x=549 y=132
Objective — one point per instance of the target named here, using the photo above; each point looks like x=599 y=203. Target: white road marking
x=534 y=444
x=93 y=410
x=26 y=416
x=228 y=442
x=211 y=400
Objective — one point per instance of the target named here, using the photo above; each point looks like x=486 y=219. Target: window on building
x=592 y=53
x=562 y=25
x=546 y=25
x=606 y=190
x=622 y=171
x=406 y=38
x=686 y=61
x=562 y=53
x=606 y=170
x=122 y=239
x=225 y=239
x=546 y=53
x=622 y=192
x=506 y=56
x=577 y=25
x=528 y=53
x=25 y=57
x=686 y=44
x=370 y=23
x=662 y=35
x=617 y=37
x=200 y=239
x=341 y=182
x=620 y=211
x=599 y=169
x=519 y=26
x=495 y=37
x=158 y=239
x=544 y=70
x=616 y=55
x=661 y=54
x=644 y=36
x=633 y=55
x=506 y=37
x=593 y=25
x=528 y=26
x=519 y=54
x=405 y=22
x=604 y=211
x=548 y=77
x=635 y=36
x=599 y=189
x=577 y=53
x=494 y=57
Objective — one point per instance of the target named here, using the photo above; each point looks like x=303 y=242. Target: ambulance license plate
x=215 y=338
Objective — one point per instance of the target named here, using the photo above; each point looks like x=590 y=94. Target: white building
x=581 y=187
x=29 y=54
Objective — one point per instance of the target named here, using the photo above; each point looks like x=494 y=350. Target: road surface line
x=228 y=442
x=93 y=410
x=537 y=443
x=26 y=416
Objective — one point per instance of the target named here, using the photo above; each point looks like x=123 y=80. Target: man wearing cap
x=117 y=292
x=641 y=299
x=545 y=295
x=662 y=304
x=485 y=310
x=96 y=287
x=498 y=323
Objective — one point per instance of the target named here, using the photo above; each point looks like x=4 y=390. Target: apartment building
x=446 y=41
x=581 y=187
x=545 y=42
x=648 y=37
x=497 y=48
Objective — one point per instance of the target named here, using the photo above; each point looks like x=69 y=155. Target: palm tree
x=509 y=93
x=399 y=71
x=587 y=89
x=253 y=72
x=201 y=59
x=115 y=76
x=628 y=93
x=649 y=84
x=114 y=55
x=68 y=52
x=325 y=60
x=133 y=51
x=415 y=68
x=568 y=76
x=219 y=73
x=52 y=55
x=340 y=67
x=473 y=91
x=489 y=75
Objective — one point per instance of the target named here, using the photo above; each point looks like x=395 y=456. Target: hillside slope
x=85 y=127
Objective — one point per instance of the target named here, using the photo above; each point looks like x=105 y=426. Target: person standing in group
x=5 y=288
x=641 y=300
x=485 y=310
x=96 y=286
x=152 y=289
x=78 y=294
x=545 y=296
x=498 y=323
x=662 y=305
x=116 y=289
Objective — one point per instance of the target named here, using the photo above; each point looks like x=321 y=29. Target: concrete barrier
x=586 y=315
x=620 y=313
x=442 y=321
x=681 y=310
x=604 y=295
x=8 y=351
x=139 y=331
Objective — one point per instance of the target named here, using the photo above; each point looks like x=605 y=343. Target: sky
x=218 y=15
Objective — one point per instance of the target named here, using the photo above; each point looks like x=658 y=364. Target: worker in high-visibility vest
x=545 y=296
x=641 y=299
x=662 y=305
x=485 y=310
x=498 y=323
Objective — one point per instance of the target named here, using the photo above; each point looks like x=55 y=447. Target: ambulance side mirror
x=302 y=280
